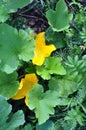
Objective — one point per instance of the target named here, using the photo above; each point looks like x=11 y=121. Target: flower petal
x=26 y=100
x=42 y=50
x=48 y=50
x=38 y=60
x=27 y=85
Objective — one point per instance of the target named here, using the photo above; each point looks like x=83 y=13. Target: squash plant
x=42 y=76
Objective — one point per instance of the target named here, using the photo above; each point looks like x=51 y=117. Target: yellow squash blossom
x=42 y=50
x=26 y=85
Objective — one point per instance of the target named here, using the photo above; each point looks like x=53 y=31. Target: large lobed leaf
x=73 y=81
x=14 y=46
x=43 y=103
x=52 y=65
x=66 y=85
x=8 y=84
x=8 y=122
x=10 y=6
x=60 y=18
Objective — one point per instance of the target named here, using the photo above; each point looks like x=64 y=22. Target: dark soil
x=32 y=16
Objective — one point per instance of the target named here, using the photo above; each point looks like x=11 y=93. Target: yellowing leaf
x=26 y=85
x=42 y=50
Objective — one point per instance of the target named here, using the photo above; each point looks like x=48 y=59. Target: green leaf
x=42 y=103
x=48 y=125
x=5 y=110
x=74 y=64
x=10 y=6
x=65 y=85
x=27 y=127
x=8 y=84
x=73 y=119
x=3 y=14
x=81 y=95
x=75 y=116
x=73 y=81
x=52 y=65
x=9 y=121
x=63 y=125
x=60 y=18
x=58 y=39
x=14 y=46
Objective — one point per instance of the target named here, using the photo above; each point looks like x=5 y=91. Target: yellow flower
x=26 y=85
x=42 y=50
